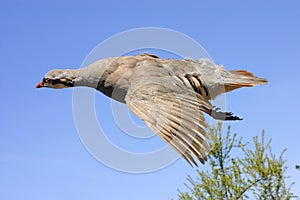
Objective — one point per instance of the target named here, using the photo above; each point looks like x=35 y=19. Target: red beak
x=39 y=85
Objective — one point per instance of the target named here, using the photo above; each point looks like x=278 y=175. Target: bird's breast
x=113 y=91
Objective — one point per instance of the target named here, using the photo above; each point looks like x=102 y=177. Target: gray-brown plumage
x=169 y=95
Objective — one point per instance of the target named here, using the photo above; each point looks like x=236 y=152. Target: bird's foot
x=217 y=114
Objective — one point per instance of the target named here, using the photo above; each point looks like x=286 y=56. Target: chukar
x=169 y=95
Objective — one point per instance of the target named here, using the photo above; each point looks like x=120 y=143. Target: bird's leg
x=216 y=109
x=219 y=115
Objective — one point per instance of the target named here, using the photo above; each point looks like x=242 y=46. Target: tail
x=242 y=78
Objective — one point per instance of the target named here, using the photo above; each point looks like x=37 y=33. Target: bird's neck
x=96 y=76
x=92 y=75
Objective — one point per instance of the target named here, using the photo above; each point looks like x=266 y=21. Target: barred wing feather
x=174 y=115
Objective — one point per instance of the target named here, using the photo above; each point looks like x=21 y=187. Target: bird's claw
x=230 y=116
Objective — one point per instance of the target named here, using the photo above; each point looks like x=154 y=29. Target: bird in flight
x=169 y=95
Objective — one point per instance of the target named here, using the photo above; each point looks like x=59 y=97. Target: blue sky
x=41 y=156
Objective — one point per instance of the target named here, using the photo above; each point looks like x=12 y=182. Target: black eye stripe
x=55 y=81
x=68 y=83
x=51 y=81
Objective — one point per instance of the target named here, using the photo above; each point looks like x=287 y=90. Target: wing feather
x=174 y=114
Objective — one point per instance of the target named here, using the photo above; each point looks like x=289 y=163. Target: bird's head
x=59 y=79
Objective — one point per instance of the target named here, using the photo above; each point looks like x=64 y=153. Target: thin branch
x=248 y=187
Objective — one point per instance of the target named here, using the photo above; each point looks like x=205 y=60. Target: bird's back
x=115 y=75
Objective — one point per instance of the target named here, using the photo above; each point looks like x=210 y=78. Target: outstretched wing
x=174 y=113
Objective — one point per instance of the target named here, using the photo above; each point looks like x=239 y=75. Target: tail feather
x=243 y=78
